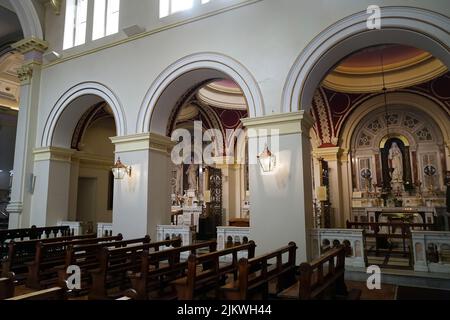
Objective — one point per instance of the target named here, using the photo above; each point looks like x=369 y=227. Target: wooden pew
x=322 y=279
x=56 y=293
x=87 y=258
x=43 y=270
x=32 y=233
x=206 y=272
x=114 y=265
x=256 y=276
x=21 y=252
x=159 y=269
x=7 y=287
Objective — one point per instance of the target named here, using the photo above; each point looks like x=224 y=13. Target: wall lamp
x=267 y=160
x=119 y=170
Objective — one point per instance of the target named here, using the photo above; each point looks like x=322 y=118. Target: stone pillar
x=29 y=75
x=50 y=186
x=333 y=157
x=142 y=201
x=281 y=202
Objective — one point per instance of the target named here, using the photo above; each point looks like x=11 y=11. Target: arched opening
x=201 y=100
x=73 y=166
x=380 y=154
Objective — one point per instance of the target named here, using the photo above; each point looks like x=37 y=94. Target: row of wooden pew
x=166 y=270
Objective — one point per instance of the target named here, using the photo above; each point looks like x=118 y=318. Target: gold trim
x=390 y=136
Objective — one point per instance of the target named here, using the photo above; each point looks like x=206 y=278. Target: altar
x=412 y=214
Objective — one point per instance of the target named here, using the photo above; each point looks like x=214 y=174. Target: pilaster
x=281 y=201
x=29 y=75
x=141 y=201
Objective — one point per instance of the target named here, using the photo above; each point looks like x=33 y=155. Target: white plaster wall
x=280 y=217
x=266 y=37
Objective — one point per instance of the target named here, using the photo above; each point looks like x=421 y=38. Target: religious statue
x=396 y=163
x=192 y=176
x=179 y=179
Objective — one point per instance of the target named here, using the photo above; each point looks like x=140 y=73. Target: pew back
x=256 y=275
x=115 y=263
x=43 y=270
x=159 y=269
x=207 y=273
x=21 y=252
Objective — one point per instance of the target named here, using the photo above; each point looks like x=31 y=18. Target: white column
x=51 y=190
x=281 y=202
x=142 y=201
x=29 y=75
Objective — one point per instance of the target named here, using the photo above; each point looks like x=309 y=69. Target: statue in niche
x=396 y=163
x=192 y=176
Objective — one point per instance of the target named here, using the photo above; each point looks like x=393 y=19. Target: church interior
x=224 y=150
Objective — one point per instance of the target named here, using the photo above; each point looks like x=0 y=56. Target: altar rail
x=166 y=232
x=323 y=240
x=74 y=226
x=232 y=236
x=431 y=251
x=104 y=229
x=78 y=228
x=228 y=237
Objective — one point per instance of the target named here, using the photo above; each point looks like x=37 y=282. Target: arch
x=29 y=18
x=194 y=69
x=427 y=105
x=66 y=112
x=403 y=25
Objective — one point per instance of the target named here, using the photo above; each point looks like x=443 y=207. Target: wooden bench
x=86 y=257
x=260 y=277
x=206 y=273
x=7 y=287
x=43 y=270
x=114 y=265
x=56 y=293
x=21 y=252
x=32 y=233
x=159 y=269
x=322 y=279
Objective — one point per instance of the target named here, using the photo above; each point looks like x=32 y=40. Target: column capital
x=15 y=207
x=286 y=123
x=25 y=72
x=330 y=154
x=53 y=154
x=30 y=44
x=143 y=141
